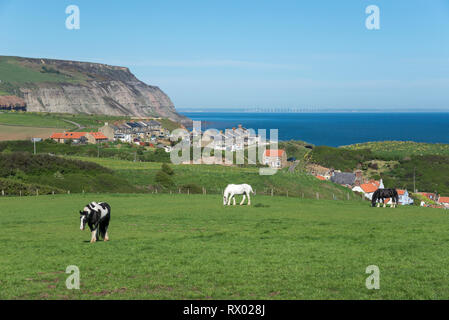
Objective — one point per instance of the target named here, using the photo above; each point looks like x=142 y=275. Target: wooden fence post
x=271 y=192
x=317 y=196
x=3 y=192
x=188 y=191
x=20 y=193
x=37 y=192
x=287 y=193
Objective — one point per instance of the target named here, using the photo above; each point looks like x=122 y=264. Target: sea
x=336 y=129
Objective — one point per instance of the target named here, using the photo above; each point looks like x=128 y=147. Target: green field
x=38 y=120
x=14 y=70
x=191 y=247
x=400 y=149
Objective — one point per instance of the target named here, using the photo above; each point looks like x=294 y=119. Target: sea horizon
x=335 y=128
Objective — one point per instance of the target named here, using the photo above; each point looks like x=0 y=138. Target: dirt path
x=74 y=123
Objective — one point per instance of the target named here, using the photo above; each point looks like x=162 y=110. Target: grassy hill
x=15 y=71
x=397 y=150
x=214 y=179
x=191 y=247
x=23 y=172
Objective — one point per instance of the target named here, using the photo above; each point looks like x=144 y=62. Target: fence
x=205 y=191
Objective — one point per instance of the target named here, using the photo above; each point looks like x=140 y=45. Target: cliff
x=48 y=85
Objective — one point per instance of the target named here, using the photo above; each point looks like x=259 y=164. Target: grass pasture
x=191 y=247
x=8 y=132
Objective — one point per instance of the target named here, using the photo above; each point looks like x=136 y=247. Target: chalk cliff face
x=81 y=87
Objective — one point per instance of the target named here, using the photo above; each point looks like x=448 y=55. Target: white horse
x=233 y=189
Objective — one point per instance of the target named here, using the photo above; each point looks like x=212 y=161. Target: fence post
x=68 y=191
x=20 y=193
x=37 y=192
x=287 y=193
x=347 y=195
x=317 y=196
x=179 y=190
x=188 y=191
x=53 y=192
x=3 y=192
x=303 y=195
x=271 y=192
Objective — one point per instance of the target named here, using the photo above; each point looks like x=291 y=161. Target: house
x=321 y=178
x=428 y=195
x=79 y=137
x=444 y=201
x=343 y=178
x=404 y=197
x=96 y=137
x=75 y=137
x=367 y=189
x=275 y=158
x=108 y=131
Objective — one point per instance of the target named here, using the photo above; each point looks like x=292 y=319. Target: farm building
x=275 y=158
x=79 y=137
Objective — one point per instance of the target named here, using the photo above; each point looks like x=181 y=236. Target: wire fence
x=202 y=191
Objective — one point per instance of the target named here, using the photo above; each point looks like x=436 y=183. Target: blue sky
x=247 y=53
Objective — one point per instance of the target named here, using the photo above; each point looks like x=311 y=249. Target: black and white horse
x=97 y=216
x=382 y=194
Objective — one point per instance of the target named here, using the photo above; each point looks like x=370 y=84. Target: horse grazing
x=233 y=189
x=97 y=216
x=382 y=194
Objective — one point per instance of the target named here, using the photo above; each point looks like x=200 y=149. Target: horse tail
x=374 y=198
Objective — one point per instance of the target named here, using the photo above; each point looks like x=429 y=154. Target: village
x=150 y=133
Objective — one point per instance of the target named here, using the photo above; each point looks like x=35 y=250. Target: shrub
x=167 y=169
x=164 y=180
x=191 y=188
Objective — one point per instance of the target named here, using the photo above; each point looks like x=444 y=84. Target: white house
x=369 y=188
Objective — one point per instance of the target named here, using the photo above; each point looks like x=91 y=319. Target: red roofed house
x=404 y=198
x=77 y=137
x=444 y=201
x=96 y=137
x=321 y=178
x=368 y=188
x=275 y=158
x=431 y=196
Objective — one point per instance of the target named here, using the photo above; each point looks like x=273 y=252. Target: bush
x=15 y=188
x=191 y=188
x=164 y=180
x=167 y=169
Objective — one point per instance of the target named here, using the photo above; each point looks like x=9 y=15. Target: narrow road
x=80 y=127
x=293 y=166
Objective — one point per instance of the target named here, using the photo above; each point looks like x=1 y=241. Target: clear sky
x=252 y=53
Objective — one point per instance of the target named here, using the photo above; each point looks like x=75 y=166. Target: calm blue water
x=336 y=129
